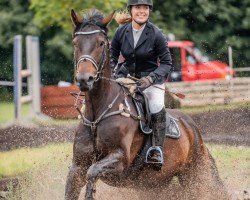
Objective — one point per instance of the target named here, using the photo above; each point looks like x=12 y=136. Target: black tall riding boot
x=155 y=153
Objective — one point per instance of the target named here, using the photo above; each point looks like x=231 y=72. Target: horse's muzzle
x=86 y=81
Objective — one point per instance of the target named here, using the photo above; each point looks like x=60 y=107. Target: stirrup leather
x=154 y=148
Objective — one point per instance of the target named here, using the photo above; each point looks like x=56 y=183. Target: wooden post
x=230 y=57
x=17 y=65
x=33 y=64
x=32 y=73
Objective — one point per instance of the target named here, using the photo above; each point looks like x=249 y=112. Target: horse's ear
x=108 y=19
x=76 y=19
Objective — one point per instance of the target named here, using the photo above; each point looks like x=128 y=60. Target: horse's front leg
x=83 y=154
x=76 y=178
x=75 y=182
x=111 y=164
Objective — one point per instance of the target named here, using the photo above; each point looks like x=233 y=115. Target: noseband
x=99 y=67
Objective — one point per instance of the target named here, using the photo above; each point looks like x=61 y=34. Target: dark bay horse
x=111 y=147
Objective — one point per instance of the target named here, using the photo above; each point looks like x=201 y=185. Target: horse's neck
x=101 y=96
x=99 y=101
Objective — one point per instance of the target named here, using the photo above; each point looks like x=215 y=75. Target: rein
x=103 y=116
x=125 y=111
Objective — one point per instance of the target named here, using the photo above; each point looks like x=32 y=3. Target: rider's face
x=140 y=13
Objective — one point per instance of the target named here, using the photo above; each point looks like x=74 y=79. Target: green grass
x=17 y=162
x=231 y=159
x=207 y=108
x=7 y=111
x=20 y=161
x=44 y=169
x=7 y=115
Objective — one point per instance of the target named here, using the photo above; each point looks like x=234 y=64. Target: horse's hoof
x=89 y=198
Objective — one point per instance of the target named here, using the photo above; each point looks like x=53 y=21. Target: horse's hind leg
x=111 y=164
x=216 y=180
x=201 y=180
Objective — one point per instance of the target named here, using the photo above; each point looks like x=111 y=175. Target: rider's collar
x=141 y=28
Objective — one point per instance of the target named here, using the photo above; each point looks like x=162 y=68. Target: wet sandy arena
x=231 y=127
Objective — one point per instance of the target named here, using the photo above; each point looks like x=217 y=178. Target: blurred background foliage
x=212 y=25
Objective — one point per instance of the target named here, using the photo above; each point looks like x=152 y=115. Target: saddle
x=142 y=107
x=141 y=103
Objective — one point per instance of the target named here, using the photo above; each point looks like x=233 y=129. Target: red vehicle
x=190 y=65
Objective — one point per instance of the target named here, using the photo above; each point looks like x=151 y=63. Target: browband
x=89 y=32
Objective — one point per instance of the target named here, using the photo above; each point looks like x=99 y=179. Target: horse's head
x=90 y=47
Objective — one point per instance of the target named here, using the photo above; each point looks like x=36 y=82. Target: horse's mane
x=92 y=16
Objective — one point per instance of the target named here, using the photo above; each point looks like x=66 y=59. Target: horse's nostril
x=84 y=79
x=91 y=79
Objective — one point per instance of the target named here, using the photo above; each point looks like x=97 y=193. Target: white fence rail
x=213 y=92
x=242 y=69
x=10 y=83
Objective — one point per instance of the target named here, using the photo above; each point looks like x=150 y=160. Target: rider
x=147 y=57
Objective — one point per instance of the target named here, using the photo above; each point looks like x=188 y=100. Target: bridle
x=123 y=110
x=99 y=66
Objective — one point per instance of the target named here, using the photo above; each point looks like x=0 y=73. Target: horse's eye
x=102 y=43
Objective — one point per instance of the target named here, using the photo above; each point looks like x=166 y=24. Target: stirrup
x=154 y=148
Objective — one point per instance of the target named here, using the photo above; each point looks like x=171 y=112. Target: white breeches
x=155 y=97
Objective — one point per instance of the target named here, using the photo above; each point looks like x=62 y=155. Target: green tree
x=57 y=12
x=15 y=19
x=213 y=25
x=54 y=20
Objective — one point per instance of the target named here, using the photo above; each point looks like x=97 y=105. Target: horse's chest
x=108 y=135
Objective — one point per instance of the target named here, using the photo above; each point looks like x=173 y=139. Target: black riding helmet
x=139 y=2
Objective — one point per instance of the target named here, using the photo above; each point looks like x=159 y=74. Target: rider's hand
x=145 y=82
